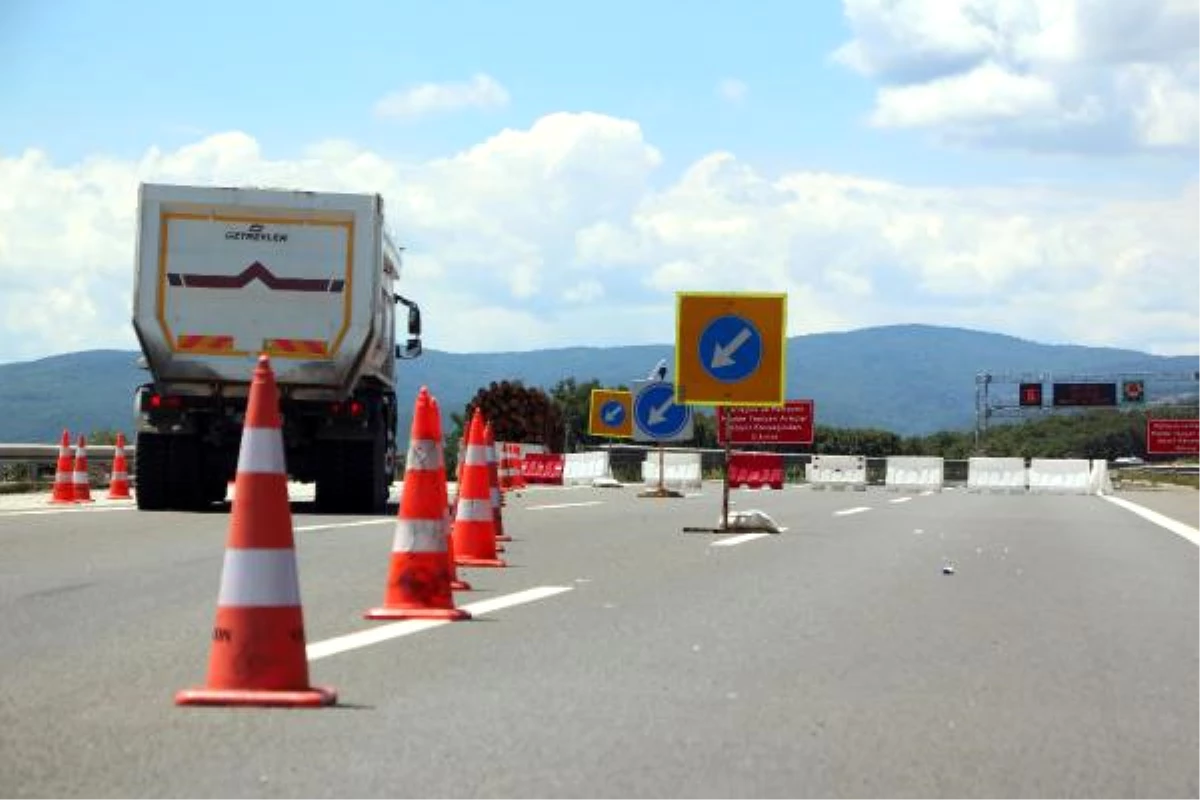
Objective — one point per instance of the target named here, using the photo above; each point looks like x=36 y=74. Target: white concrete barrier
x=1100 y=482
x=986 y=474
x=915 y=472
x=1060 y=475
x=838 y=472
x=680 y=470
x=581 y=469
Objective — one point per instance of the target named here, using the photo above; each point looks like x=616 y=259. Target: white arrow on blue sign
x=656 y=415
x=731 y=348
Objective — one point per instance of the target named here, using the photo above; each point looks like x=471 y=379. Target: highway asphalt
x=835 y=659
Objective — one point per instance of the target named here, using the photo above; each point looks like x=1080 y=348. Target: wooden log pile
x=519 y=413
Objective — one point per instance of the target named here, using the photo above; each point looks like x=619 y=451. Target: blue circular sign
x=731 y=348
x=612 y=413
x=658 y=414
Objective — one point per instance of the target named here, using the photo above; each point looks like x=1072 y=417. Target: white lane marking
x=88 y=510
x=336 y=525
x=394 y=630
x=1174 y=526
x=732 y=540
x=847 y=511
x=927 y=492
x=694 y=494
x=565 y=505
x=900 y=500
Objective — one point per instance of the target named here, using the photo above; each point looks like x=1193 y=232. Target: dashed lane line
x=565 y=505
x=845 y=512
x=1174 y=526
x=736 y=540
x=394 y=630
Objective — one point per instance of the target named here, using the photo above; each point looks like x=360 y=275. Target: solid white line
x=355 y=524
x=65 y=510
x=565 y=505
x=694 y=494
x=394 y=630
x=847 y=511
x=732 y=540
x=900 y=500
x=1174 y=526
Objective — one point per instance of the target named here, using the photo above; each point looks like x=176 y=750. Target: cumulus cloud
x=566 y=233
x=1051 y=75
x=731 y=90
x=480 y=92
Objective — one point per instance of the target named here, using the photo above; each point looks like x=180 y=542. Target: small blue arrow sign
x=613 y=413
x=657 y=415
x=731 y=348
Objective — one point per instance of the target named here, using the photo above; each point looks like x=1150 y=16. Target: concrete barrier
x=838 y=472
x=680 y=470
x=1100 y=482
x=1060 y=476
x=582 y=469
x=905 y=473
x=1002 y=475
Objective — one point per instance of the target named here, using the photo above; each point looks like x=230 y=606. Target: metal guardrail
x=36 y=462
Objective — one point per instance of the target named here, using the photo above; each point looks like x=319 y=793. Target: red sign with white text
x=791 y=423
x=1172 y=436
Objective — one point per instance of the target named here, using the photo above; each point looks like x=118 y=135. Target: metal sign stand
x=661 y=490
x=723 y=527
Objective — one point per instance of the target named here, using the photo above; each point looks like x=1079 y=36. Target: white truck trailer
x=224 y=274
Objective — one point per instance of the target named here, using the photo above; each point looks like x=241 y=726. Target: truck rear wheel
x=352 y=477
x=168 y=472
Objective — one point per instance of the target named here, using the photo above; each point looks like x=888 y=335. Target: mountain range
x=909 y=379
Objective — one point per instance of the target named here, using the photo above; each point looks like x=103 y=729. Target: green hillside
x=909 y=379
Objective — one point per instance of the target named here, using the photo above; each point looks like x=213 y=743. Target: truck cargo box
x=226 y=273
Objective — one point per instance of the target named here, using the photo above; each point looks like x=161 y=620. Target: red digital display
x=1085 y=394
x=1031 y=394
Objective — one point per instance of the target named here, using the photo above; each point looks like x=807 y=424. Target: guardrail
x=35 y=463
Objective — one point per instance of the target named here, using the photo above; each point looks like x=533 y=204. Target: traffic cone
x=475 y=523
x=258 y=655
x=118 y=484
x=79 y=473
x=518 y=477
x=418 y=584
x=64 y=482
x=457 y=584
x=497 y=496
x=505 y=472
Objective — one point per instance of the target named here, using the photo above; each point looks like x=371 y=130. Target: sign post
x=730 y=350
x=658 y=418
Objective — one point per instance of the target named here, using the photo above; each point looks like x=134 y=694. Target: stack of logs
x=520 y=414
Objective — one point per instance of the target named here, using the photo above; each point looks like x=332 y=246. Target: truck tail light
x=158 y=402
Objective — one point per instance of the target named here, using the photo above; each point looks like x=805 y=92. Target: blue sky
x=925 y=161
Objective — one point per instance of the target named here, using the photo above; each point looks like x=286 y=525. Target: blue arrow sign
x=657 y=416
x=613 y=413
x=731 y=348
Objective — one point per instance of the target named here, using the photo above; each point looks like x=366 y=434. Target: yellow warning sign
x=611 y=413
x=730 y=349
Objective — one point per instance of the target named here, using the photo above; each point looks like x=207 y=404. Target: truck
x=224 y=274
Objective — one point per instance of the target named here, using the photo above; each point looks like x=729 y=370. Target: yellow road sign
x=611 y=414
x=730 y=349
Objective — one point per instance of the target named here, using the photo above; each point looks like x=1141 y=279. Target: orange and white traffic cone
x=258 y=655
x=418 y=584
x=457 y=584
x=79 y=473
x=64 y=481
x=118 y=484
x=475 y=522
x=500 y=450
x=497 y=497
x=518 y=478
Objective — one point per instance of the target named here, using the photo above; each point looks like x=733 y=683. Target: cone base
x=480 y=562
x=460 y=586
x=60 y=501
x=84 y=500
x=417 y=613
x=120 y=496
x=300 y=698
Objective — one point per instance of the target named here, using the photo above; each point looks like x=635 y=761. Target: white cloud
x=480 y=92
x=1059 y=75
x=731 y=90
x=558 y=235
